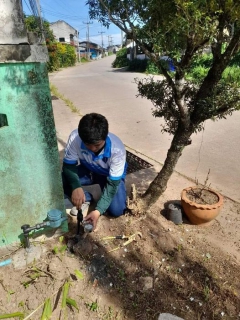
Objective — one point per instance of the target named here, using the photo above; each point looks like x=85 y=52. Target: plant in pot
x=201 y=204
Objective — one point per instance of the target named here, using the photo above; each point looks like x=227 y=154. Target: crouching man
x=95 y=156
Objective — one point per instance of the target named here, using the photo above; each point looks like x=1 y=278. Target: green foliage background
x=60 y=54
x=196 y=72
x=121 y=59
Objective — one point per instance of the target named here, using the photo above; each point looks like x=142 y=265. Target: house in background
x=63 y=32
x=134 y=51
x=113 y=48
x=90 y=50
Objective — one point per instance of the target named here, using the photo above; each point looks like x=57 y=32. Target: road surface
x=96 y=87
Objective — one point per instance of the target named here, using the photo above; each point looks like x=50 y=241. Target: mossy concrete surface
x=29 y=164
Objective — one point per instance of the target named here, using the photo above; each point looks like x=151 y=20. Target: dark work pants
x=87 y=178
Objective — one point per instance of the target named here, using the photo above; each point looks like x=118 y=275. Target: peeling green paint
x=29 y=163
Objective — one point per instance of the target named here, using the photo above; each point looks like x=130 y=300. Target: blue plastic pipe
x=5 y=262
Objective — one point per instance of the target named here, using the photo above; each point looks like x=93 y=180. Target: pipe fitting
x=55 y=220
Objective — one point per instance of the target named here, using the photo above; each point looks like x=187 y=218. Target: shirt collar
x=105 y=153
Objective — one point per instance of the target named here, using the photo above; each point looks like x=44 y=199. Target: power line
x=61 y=15
x=33 y=6
x=27 y=5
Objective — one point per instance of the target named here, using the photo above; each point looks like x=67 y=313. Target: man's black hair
x=92 y=128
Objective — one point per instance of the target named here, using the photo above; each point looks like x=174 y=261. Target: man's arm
x=108 y=193
x=104 y=202
x=70 y=172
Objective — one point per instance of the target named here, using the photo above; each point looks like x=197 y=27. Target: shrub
x=152 y=68
x=144 y=65
x=235 y=62
x=121 y=59
x=60 y=55
x=197 y=74
x=138 y=65
x=68 y=58
x=53 y=63
x=201 y=64
x=203 y=60
x=232 y=75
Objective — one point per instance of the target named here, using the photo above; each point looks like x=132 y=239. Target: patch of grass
x=92 y=306
x=110 y=314
x=33 y=275
x=122 y=275
x=68 y=102
x=60 y=248
x=83 y=60
x=206 y=292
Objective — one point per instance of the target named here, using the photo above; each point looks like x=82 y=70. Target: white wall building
x=64 y=32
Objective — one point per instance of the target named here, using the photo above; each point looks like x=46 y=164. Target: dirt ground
x=186 y=270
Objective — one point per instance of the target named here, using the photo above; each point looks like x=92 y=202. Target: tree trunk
x=159 y=184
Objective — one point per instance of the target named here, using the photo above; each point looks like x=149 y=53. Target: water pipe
x=5 y=262
x=88 y=227
x=55 y=219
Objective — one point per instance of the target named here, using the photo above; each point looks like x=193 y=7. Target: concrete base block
x=23 y=257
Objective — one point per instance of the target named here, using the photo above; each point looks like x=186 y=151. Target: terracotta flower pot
x=200 y=214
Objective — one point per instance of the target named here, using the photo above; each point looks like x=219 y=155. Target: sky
x=75 y=13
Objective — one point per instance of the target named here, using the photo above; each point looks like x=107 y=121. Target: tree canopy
x=181 y=30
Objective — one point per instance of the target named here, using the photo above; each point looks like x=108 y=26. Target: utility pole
x=102 y=42
x=88 y=38
x=40 y=18
x=109 y=36
x=111 y=41
x=78 y=47
x=102 y=37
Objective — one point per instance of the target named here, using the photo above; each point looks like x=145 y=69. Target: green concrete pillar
x=30 y=175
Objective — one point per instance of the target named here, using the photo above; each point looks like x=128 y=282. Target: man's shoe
x=84 y=208
x=74 y=211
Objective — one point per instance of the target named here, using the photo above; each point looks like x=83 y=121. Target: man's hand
x=92 y=218
x=78 y=197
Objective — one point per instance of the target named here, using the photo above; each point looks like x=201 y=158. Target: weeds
x=33 y=275
x=198 y=194
x=47 y=305
x=9 y=293
x=92 y=306
x=122 y=275
x=68 y=102
x=20 y=315
x=206 y=292
x=47 y=310
x=60 y=249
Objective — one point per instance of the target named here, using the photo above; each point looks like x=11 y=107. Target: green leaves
x=20 y=315
x=72 y=303
x=65 y=294
x=47 y=310
x=92 y=306
x=78 y=274
x=66 y=300
x=60 y=249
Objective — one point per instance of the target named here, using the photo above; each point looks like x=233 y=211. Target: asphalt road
x=96 y=87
